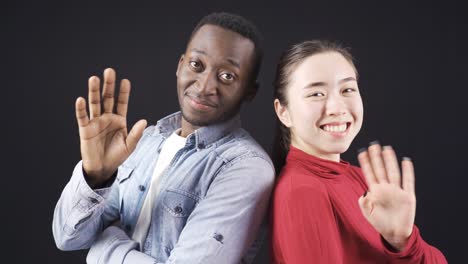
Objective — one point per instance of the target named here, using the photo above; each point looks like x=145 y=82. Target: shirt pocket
x=125 y=194
x=177 y=206
x=124 y=173
x=179 y=203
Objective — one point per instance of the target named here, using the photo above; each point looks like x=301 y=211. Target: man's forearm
x=77 y=215
x=114 y=246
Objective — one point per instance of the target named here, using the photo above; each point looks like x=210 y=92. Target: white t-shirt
x=172 y=144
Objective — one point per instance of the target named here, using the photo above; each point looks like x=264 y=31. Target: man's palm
x=104 y=140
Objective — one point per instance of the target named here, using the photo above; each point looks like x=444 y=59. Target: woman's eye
x=317 y=94
x=349 y=90
x=227 y=76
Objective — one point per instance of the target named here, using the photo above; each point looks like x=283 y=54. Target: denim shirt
x=213 y=197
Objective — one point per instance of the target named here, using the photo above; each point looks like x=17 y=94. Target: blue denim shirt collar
x=202 y=137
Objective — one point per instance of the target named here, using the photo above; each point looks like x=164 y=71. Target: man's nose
x=207 y=83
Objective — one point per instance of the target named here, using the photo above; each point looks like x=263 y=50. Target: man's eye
x=195 y=64
x=227 y=76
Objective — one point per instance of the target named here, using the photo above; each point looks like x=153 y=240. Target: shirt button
x=218 y=237
x=201 y=145
x=141 y=188
x=178 y=209
x=168 y=250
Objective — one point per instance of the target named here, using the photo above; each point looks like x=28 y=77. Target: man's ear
x=181 y=60
x=282 y=112
x=252 y=91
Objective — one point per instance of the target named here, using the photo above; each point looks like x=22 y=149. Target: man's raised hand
x=104 y=141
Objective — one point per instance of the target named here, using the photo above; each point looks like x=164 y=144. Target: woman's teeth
x=340 y=128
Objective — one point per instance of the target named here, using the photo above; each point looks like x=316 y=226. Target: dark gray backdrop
x=411 y=59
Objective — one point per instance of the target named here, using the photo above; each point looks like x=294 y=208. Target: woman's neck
x=315 y=152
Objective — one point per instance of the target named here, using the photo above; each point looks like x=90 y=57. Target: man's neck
x=187 y=128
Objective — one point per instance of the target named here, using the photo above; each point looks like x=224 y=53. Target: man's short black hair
x=241 y=26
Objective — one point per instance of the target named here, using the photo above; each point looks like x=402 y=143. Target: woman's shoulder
x=293 y=181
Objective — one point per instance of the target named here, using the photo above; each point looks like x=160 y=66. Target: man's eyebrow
x=348 y=79
x=198 y=51
x=234 y=63
x=229 y=60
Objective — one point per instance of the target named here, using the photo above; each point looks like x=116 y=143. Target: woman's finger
x=391 y=165
x=364 y=162
x=408 y=175
x=376 y=160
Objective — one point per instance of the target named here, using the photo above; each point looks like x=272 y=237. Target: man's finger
x=94 y=97
x=80 y=110
x=124 y=94
x=364 y=162
x=135 y=134
x=378 y=166
x=108 y=90
x=391 y=165
x=408 y=175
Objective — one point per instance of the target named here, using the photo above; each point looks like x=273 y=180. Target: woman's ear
x=282 y=112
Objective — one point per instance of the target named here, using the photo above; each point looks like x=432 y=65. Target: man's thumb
x=135 y=134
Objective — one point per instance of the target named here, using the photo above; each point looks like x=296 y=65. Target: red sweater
x=317 y=219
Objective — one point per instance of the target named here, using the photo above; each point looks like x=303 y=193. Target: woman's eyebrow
x=315 y=84
x=347 y=79
x=320 y=84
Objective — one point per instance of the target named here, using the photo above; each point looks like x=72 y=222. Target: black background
x=411 y=58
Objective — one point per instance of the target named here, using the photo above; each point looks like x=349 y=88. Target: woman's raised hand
x=390 y=202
